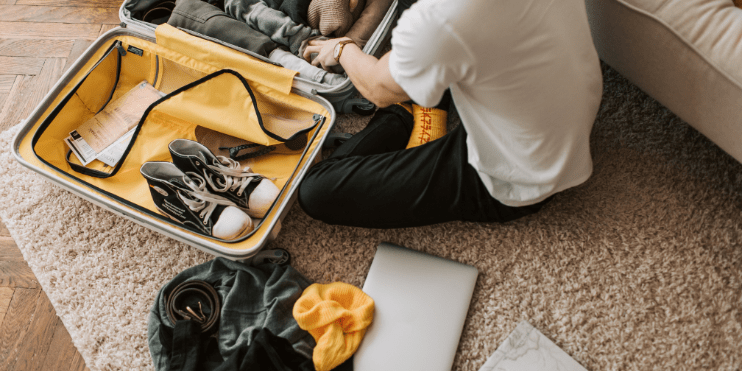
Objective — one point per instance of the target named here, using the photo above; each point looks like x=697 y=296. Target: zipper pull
x=120 y=47
x=318 y=118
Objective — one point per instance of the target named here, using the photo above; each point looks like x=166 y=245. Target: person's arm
x=370 y=76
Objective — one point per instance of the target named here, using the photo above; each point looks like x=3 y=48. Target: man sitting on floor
x=525 y=78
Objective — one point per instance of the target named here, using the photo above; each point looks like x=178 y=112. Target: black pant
x=372 y=181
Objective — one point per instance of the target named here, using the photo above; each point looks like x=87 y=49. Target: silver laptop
x=421 y=304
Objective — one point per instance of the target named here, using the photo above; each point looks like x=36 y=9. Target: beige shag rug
x=640 y=268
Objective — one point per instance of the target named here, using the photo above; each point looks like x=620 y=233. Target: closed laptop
x=421 y=305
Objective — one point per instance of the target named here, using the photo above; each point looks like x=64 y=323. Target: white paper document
x=106 y=135
x=527 y=349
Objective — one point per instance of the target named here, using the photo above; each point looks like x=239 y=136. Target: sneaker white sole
x=248 y=228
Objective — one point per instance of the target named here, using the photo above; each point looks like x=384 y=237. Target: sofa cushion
x=687 y=54
x=714 y=27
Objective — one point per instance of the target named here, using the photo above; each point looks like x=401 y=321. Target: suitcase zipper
x=118 y=45
x=48 y=120
x=157 y=70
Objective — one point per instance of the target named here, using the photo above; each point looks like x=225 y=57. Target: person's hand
x=325 y=50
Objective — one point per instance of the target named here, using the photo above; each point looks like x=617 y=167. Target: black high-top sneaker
x=185 y=199
x=252 y=192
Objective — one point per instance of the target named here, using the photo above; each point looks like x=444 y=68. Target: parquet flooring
x=32 y=337
x=39 y=40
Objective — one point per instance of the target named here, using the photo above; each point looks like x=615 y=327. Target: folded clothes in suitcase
x=209 y=20
x=212 y=94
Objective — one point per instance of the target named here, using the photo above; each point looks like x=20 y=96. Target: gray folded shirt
x=207 y=19
x=278 y=26
x=305 y=69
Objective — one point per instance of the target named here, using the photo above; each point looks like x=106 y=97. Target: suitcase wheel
x=359 y=106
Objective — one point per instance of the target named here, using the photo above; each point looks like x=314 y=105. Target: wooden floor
x=39 y=40
x=32 y=337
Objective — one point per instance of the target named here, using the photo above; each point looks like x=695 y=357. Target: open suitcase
x=208 y=86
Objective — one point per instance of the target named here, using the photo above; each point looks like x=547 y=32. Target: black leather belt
x=195 y=300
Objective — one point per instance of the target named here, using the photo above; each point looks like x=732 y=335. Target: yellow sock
x=429 y=125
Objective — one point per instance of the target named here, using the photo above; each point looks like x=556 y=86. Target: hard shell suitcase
x=207 y=85
x=342 y=96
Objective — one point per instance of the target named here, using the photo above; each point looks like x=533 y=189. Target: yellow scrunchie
x=336 y=315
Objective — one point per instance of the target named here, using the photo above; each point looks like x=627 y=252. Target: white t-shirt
x=526 y=81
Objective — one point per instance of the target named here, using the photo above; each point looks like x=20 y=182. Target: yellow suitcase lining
x=253 y=107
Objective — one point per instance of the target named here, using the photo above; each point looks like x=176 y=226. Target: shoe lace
x=200 y=199
x=234 y=177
